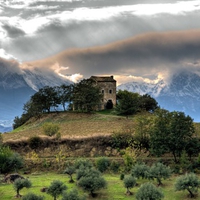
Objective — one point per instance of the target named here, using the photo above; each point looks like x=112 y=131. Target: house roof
x=103 y=78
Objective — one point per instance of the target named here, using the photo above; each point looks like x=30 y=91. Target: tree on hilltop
x=86 y=95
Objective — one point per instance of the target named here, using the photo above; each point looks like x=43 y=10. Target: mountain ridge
x=181 y=94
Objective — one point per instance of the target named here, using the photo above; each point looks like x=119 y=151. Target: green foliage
x=128 y=102
x=189 y=182
x=92 y=181
x=171 y=133
x=19 y=184
x=83 y=163
x=86 y=95
x=159 y=171
x=122 y=177
x=147 y=103
x=50 y=129
x=121 y=140
x=31 y=196
x=114 y=166
x=56 y=189
x=9 y=160
x=129 y=182
x=143 y=125
x=149 y=191
x=70 y=170
x=140 y=170
x=102 y=164
x=129 y=158
x=35 y=142
x=72 y=195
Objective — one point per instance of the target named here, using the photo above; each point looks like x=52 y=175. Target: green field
x=114 y=191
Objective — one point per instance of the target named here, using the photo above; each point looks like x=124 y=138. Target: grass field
x=114 y=190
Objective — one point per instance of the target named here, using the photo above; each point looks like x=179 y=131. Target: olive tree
x=70 y=170
x=189 y=182
x=149 y=191
x=92 y=181
x=129 y=182
x=72 y=195
x=159 y=171
x=20 y=184
x=32 y=196
x=140 y=170
x=56 y=189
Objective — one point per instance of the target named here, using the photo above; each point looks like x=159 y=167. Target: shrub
x=56 y=189
x=72 y=195
x=189 y=182
x=129 y=182
x=140 y=170
x=9 y=160
x=149 y=191
x=102 y=164
x=114 y=166
x=50 y=129
x=35 y=142
x=31 y=196
x=121 y=140
x=20 y=184
x=83 y=163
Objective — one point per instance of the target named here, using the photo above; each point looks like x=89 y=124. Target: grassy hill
x=73 y=125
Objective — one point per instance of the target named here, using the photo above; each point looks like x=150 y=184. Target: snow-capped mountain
x=16 y=87
x=181 y=94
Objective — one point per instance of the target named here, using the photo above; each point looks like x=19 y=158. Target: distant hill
x=182 y=94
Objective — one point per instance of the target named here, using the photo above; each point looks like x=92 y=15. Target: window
x=110 y=91
x=102 y=91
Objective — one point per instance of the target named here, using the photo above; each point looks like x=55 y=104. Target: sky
x=134 y=40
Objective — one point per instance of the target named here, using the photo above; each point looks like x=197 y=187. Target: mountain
x=181 y=94
x=16 y=88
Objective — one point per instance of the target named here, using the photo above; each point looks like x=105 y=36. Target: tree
x=129 y=182
x=189 y=182
x=56 y=189
x=170 y=133
x=102 y=164
x=50 y=129
x=20 y=184
x=140 y=170
x=92 y=181
x=143 y=126
x=147 y=103
x=159 y=171
x=70 y=170
x=31 y=196
x=127 y=102
x=86 y=95
x=72 y=195
x=9 y=160
x=65 y=94
x=149 y=191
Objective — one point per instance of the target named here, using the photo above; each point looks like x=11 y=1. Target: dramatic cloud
x=35 y=29
x=150 y=56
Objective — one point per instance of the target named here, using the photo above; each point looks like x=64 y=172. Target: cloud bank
x=151 y=56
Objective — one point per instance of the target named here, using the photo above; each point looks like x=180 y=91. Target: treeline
x=84 y=96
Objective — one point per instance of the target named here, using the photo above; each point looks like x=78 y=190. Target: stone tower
x=107 y=85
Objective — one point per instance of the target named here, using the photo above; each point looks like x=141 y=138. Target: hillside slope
x=72 y=125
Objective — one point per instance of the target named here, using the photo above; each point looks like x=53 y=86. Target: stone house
x=107 y=86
